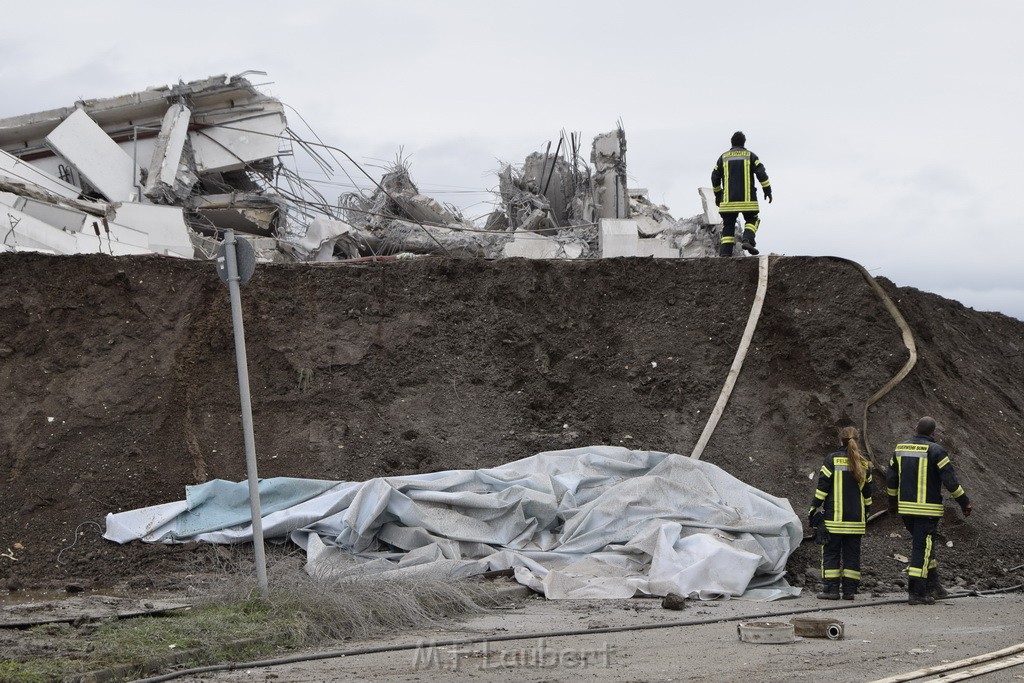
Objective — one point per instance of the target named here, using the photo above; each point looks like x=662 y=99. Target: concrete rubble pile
x=162 y=171
x=169 y=169
x=556 y=206
x=397 y=219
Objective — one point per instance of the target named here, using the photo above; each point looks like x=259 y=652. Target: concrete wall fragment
x=171 y=177
x=24 y=172
x=222 y=142
x=93 y=154
x=531 y=245
x=24 y=232
x=164 y=227
x=658 y=248
x=617 y=237
x=609 y=158
x=707 y=199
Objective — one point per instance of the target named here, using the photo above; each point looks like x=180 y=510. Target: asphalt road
x=880 y=639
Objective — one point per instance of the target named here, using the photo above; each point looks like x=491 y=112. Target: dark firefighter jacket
x=917 y=472
x=734 y=176
x=845 y=501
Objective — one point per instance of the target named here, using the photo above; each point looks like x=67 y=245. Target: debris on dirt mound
x=120 y=387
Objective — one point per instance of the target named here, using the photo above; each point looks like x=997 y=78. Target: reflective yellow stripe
x=833 y=573
x=922 y=479
x=765 y=183
x=728 y=240
x=851 y=574
x=927 y=556
x=867 y=502
x=893 y=492
x=826 y=471
x=912 y=448
x=921 y=509
x=738 y=206
x=915 y=573
x=746 y=180
x=943 y=462
x=820 y=495
x=959 y=492
x=837 y=496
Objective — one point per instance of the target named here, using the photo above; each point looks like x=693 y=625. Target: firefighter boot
x=920 y=599
x=725 y=249
x=917 y=588
x=749 y=243
x=934 y=588
x=849 y=589
x=829 y=591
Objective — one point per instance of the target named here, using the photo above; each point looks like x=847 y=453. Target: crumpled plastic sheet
x=595 y=522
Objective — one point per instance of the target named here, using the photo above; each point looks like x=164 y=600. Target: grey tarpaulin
x=596 y=522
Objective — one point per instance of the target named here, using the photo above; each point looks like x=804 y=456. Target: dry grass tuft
x=319 y=609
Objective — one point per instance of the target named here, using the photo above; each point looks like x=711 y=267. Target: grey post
x=233 y=280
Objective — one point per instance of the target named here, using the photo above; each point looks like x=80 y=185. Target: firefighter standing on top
x=917 y=472
x=732 y=180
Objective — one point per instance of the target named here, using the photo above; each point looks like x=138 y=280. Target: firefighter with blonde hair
x=839 y=514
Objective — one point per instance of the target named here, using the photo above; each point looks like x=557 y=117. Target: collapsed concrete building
x=169 y=169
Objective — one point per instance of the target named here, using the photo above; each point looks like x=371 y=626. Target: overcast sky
x=889 y=129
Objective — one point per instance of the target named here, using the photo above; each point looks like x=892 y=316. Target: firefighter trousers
x=840 y=563
x=922 y=551
x=751 y=224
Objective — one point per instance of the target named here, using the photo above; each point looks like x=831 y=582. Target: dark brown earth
x=119 y=388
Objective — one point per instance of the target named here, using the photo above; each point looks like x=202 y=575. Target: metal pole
x=243 y=389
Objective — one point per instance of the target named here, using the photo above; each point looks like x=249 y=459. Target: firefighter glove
x=894 y=506
x=967 y=507
x=718 y=199
x=768 y=194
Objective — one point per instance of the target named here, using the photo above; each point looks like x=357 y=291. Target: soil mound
x=119 y=387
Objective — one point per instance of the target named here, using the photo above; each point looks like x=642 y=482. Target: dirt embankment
x=119 y=387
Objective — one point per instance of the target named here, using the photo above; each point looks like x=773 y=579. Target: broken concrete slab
x=707 y=199
x=617 y=237
x=609 y=159
x=532 y=246
x=164 y=227
x=23 y=172
x=90 y=150
x=658 y=248
x=10 y=191
x=324 y=236
x=647 y=226
x=230 y=140
x=25 y=232
x=171 y=176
